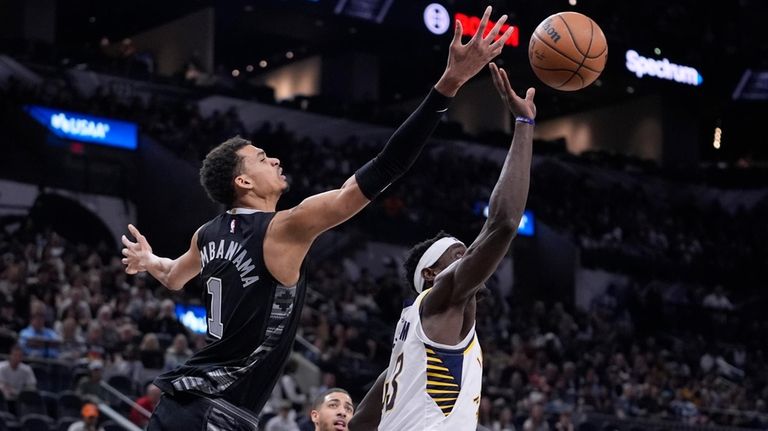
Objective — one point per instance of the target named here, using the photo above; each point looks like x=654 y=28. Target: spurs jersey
x=252 y=318
x=430 y=386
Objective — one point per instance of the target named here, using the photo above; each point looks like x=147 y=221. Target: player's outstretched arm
x=505 y=210
x=322 y=212
x=368 y=413
x=172 y=273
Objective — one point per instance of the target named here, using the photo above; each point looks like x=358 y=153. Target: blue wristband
x=525 y=120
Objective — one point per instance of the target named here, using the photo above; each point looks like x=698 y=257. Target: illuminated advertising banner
x=662 y=69
x=527 y=226
x=86 y=128
x=193 y=317
x=470 y=24
x=437 y=19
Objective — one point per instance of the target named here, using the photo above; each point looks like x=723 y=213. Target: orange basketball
x=568 y=51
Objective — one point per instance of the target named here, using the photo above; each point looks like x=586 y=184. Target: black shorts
x=186 y=412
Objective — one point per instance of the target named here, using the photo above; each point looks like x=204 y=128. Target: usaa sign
x=86 y=128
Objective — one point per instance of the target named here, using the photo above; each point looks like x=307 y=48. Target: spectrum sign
x=86 y=128
x=663 y=69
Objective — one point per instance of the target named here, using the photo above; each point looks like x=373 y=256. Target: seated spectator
x=505 y=421
x=16 y=376
x=167 y=323
x=72 y=343
x=717 y=300
x=90 y=385
x=328 y=381
x=288 y=388
x=109 y=334
x=89 y=421
x=73 y=303
x=9 y=320
x=284 y=420
x=39 y=341
x=150 y=353
x=128 y=337
x=129 y=364
x=536 y=421
x=148 y=402
x=564 y=422
x=148 y=321
x=177 y=353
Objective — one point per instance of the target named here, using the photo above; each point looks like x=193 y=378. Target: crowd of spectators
x=647 y=349
x=625 y=221
x=662 y=226
x=628 y=222
x=632 y=354
x=631 y=221
x=641 y=350
x=69 y=304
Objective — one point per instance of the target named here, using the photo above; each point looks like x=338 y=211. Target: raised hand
x=466 y=60
x=137 y=254
x=518 y=106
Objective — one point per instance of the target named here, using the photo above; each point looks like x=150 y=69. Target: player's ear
x=428 y=274
x=315 y=416
x=243 y=181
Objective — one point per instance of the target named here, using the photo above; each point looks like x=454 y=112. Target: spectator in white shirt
x=283 y=421
x=16 y=376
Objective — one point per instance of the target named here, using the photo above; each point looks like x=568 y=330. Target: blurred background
x=633 y=297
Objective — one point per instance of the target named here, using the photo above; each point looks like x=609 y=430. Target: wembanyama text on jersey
x=430 y=386
x=252 y=318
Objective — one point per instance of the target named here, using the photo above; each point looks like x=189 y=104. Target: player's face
x=261 y=173
x=334 y=413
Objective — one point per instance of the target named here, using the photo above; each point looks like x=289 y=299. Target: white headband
x=431 y=256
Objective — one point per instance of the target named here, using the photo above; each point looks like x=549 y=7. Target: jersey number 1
x=215 y=327
x=389 y=399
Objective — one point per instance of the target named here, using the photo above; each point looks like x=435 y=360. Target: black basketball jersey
x=252 y=318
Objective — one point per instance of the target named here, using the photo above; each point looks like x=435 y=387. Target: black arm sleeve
x=403 y=147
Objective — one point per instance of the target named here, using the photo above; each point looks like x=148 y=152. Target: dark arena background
x=633 y=296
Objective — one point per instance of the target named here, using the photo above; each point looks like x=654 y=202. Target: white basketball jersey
x=430 y=386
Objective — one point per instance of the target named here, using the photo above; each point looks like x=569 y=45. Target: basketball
x=568 y=51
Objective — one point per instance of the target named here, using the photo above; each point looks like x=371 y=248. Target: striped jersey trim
x=441 y=385
x=219 y=379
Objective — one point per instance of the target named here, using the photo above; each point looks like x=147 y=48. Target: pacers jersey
x=430 y=386
x=252 y=319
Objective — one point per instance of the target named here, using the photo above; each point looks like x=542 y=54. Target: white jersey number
x=215 y=327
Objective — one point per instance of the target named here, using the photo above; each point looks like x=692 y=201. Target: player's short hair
x=220 y=166
x=320 y=398
x=415 y=253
